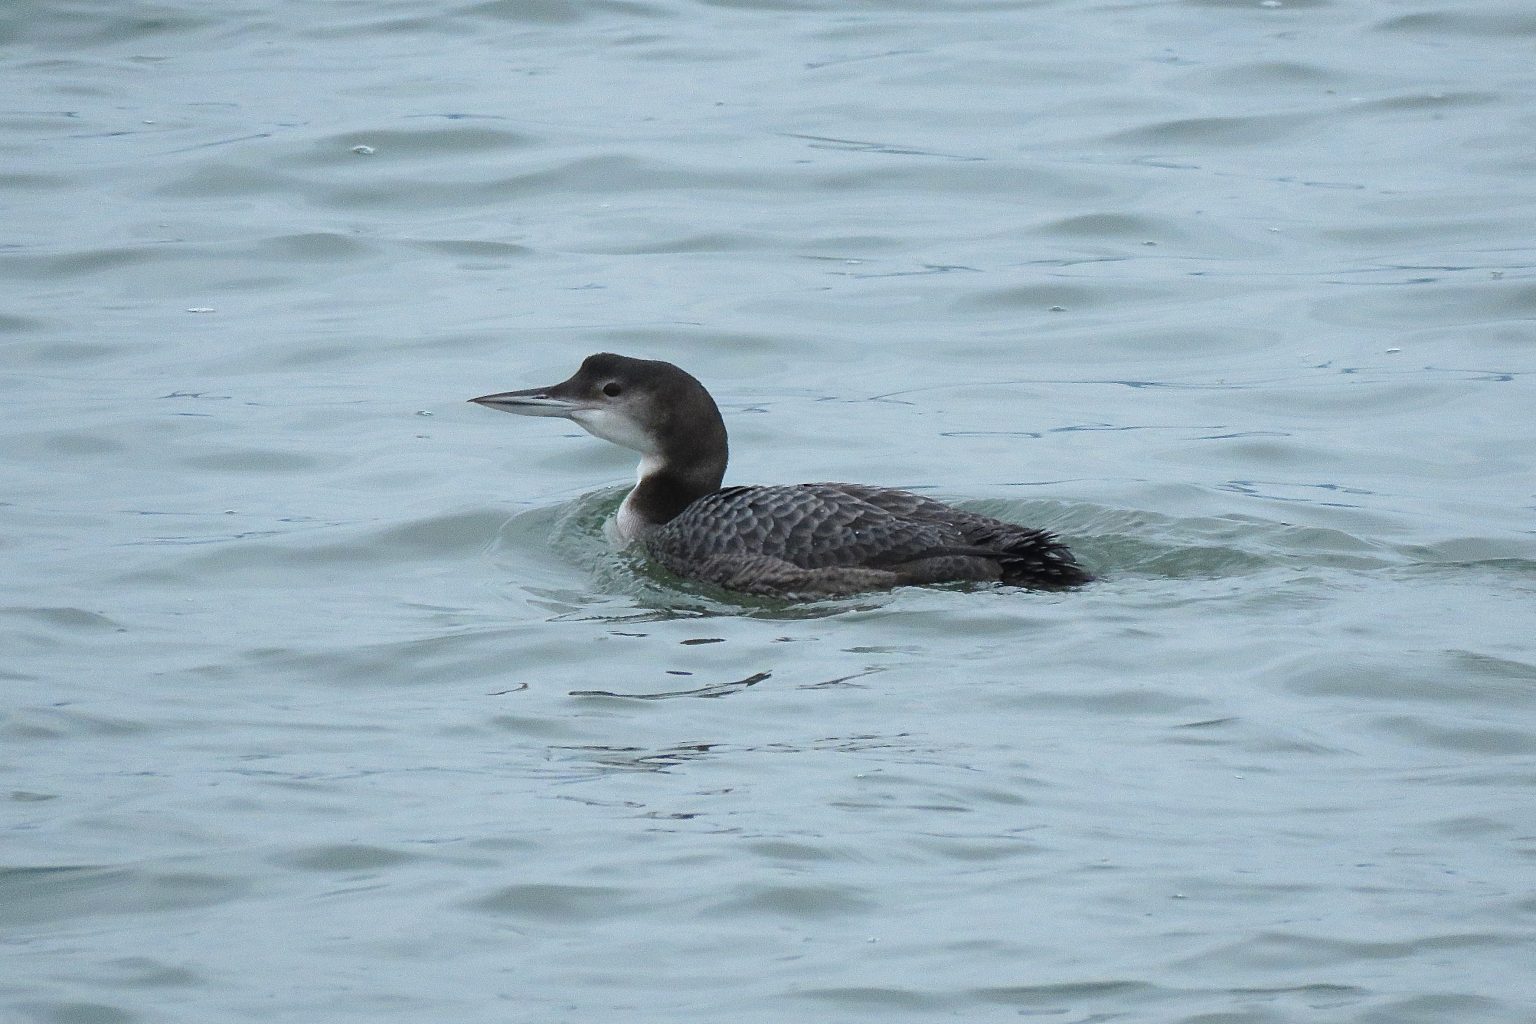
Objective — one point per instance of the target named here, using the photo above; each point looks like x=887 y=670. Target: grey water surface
x=326 y=700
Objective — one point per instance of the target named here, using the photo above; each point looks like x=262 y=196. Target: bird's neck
x=661 y=492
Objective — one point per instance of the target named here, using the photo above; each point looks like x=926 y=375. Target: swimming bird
x=790 y=540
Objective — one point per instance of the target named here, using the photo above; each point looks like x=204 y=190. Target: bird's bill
x=531 y=402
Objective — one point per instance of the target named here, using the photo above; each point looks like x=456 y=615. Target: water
x=326 y=701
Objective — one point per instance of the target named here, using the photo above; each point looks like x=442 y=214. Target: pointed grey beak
x=532 y=402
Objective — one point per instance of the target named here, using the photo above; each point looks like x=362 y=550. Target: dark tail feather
x=1042 y=562
x=1034 y=558
x=1027 y=558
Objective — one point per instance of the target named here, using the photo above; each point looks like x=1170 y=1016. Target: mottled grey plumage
x=832 y=538
x=796 y=540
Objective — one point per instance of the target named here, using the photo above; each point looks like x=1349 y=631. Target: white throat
x=613 y=425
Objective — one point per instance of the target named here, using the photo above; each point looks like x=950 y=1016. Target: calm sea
x=324 y=699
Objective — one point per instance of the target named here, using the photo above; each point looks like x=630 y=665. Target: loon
x=794 y=540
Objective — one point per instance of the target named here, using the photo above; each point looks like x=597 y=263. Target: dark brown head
x=645 y=405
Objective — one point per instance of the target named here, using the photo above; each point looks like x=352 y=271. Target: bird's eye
x=612 y=389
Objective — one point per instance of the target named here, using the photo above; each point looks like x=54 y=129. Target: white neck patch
x=628 y=525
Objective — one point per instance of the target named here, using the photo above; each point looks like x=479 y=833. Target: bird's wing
x=812 y=526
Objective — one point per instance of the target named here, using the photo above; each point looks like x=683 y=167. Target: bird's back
x=835 y=538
